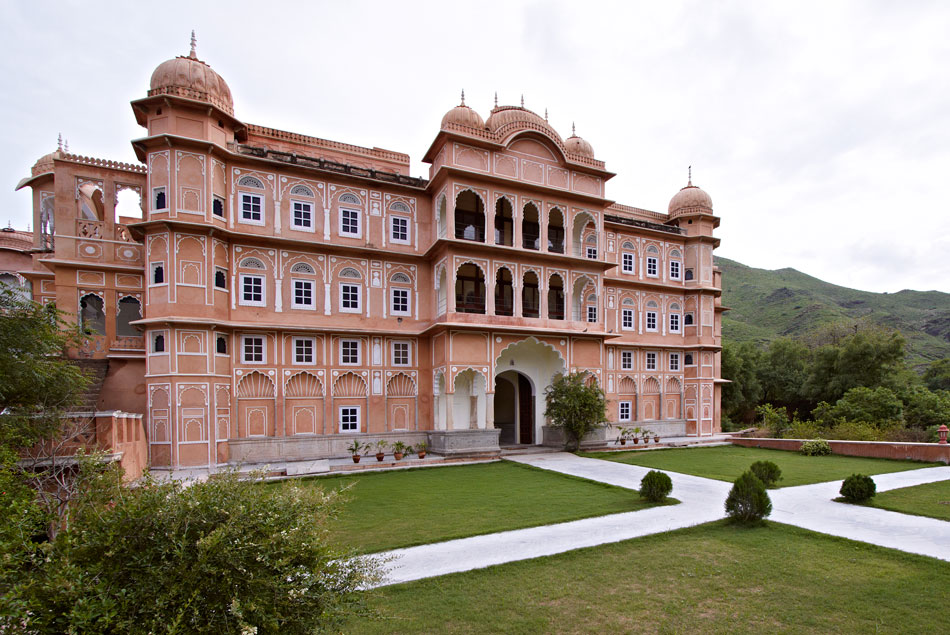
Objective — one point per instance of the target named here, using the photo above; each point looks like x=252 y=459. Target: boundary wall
x=931 y=452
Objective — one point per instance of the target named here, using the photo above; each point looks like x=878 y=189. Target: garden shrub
x=769 y=473
x=804 y=430
x=655 y=486
x=858 y=488
x=855 y=431
x=816 y=447
x=748 y=502
x=775 y=420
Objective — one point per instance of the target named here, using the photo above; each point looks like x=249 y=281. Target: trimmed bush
x=748 y=502
x=769 y=473
x=816 y=447
x=655 y=486
x=858 y=488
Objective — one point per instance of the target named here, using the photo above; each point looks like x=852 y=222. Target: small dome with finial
x=189 y=77
x=690 y=199
x=577 y=145
x=462 y=115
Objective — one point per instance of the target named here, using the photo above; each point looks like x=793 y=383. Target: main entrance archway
x=522 y=372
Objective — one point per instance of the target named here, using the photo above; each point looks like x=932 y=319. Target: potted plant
x=355 y=449
x=635 y=434
x=399 y=448
x=656 y=438
x=421 y=448
x=625 y=433
x=645 y=435
x=381 y=446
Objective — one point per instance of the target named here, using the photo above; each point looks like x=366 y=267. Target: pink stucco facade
x=283 y=294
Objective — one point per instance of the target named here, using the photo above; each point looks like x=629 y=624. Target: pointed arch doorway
x=523 y=371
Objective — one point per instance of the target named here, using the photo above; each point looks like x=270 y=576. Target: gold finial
x=496 y=99
x=194 y=43
x=59 y=142
x=463 y=96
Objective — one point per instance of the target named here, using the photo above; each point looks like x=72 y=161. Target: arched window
x=555 y=231
x=92 y=317
x=349 y=199
x=504 y=293
x=221 y=345
x=504 y=223
x=399 y=206
x=301 y=267
x=400 y=278
x=350 y=272
x=129 y=309
x=530 y=227
x=158 y=343
x=530 y=296
x=469 y=217
x=158 y=273
x=301 y=190
x=688 y=319
x=252 y=263
x=250 y=181
x=220 y=279
x=555 y=298
x=469 y=289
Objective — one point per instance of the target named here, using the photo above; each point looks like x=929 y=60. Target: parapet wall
x=934 y=452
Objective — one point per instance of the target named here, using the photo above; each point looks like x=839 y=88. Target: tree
x=926 y=408
x=870 y=358
x=227 y=555
x=937 y=375
x=782 y=374
x=878 y=406
x=740 y=365
x=575 y=407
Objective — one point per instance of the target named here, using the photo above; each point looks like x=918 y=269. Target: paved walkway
x=702 y=501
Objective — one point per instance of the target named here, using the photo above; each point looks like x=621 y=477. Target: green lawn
x=727 y=462
x=410 y=507
x=711 y=578
x=930 y=499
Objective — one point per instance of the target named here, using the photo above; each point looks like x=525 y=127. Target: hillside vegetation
x=765 y=305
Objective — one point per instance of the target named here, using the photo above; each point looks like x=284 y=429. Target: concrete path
x=702 y=500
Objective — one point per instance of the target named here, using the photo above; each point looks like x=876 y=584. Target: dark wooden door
x=525 y=410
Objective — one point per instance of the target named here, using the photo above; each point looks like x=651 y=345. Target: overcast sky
x=820 y=129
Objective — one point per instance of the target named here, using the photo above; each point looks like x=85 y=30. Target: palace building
x=283 y=294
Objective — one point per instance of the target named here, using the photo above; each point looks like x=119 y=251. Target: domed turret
x=191 y=78
x=577 y=145
x=690 y=199
x=462 y=115
x=509 y=117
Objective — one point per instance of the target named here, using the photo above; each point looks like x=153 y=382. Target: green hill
x=765 y=305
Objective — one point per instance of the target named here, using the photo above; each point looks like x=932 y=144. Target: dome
x=463 y=116
x=506 y=117
x=690 y=198
x=577 y=145
x=45 y=163
x=189 y=77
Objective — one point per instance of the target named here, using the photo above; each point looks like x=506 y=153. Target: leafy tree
x=879 y=406
x=925 y=408
x=748 y=502
x=775 y=420
x=783 y=371
x=740 y=365
x=937 y=375
x=575 y=407
x=226 y=555
x=870 y=358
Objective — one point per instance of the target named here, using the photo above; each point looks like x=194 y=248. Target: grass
x=726 y=463
x=930 y=499
x=710 y=578
x=401 y=508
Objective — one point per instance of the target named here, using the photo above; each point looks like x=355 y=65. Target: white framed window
x=350 y=297
x=674 y=322
x=399 y=229
x=627 y=262
x=651 y=320
x=303 y=350
x=252 y=208
x=158 y=343
x=350 y=352
x=252 y=349
x=674 y=361
x=252 y=290
x=592 y=253
x=591 y=314
x=302 y=218
x=652 y=270
x=217 y=206
x=651 y=361
x=401 y=354
x=399 y=304
x=675 y=268
x=221 y=345
x=350 y=223
x=304 y=297
x=159 y=201
x=158 y=274
x=625 y=410
x=349 y=418
x=626 y=320
x=220 y=278
x=626 y=360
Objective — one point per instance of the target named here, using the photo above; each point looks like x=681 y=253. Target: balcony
x=470 y=304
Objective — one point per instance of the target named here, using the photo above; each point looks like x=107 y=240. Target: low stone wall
x=932 y=452
x=457 y=443
x=305 y=448
x=671 y=428
x=554 y=437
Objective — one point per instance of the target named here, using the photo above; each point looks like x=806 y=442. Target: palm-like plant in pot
x=421 y=448
x=355 y=448
x=381 y=446
x=399 y=448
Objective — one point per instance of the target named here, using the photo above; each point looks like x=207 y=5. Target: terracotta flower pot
x=636 y=441
x=380 y=456
x=656 y=439
x=422 y=454
x=356 y=458
x=623 y=442
x=397 y=456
